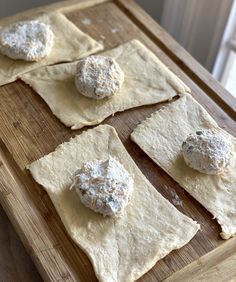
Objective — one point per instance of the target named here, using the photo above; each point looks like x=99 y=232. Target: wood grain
x=32 y=226
x=15 y=263
x=179 y=55
x=219 y=263
x=62 y=6
x=29 y=131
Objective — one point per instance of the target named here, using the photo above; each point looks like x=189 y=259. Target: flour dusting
x=86 y=21
x=98 y=77
x=104 y=186
x=26 y=40
x=115 y=30
x=175 y=198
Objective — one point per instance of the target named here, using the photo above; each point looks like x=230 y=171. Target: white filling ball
x=207 y=151
x=98 y=77
x=26 y=40
x=104 y=186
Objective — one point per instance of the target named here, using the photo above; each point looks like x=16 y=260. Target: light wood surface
x=61 y=6
x=29 y=131
x=179 y=55
x=217 y=265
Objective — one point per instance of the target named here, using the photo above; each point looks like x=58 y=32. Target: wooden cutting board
x=29 y=131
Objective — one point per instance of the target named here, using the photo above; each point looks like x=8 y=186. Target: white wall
x=198 y=25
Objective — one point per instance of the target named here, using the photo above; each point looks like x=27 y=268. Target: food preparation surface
x=29 y=131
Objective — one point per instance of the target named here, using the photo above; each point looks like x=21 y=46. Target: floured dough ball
x=26 y=40
x=104 y=186
x=98 y=77
x=207 y=151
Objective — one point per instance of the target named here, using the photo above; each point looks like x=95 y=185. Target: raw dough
x=26 y=40
x=104 y=186
x=207 y=151
x=147 y=81
x=69 y=44
x=120 y=249
x=98 y=77
x=161 y=137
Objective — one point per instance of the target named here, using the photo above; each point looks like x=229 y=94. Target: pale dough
x=161 y=137
x=147 y=81
x=69 y=44
x=120 y=249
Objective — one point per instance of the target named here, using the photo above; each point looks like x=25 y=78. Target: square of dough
x=120 y=249
x=70 y=44
x=161 y=137
x=147 y=81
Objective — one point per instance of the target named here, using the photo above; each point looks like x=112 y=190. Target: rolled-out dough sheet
x=147 y=81
x=161 y=137
x=70 y=44
x=120 y=249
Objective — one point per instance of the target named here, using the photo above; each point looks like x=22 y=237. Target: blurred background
x=205 y=28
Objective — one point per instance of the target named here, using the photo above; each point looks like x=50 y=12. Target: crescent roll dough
x=161 y=137
x=147 y=81
x=120 y=249
x=70 y=44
